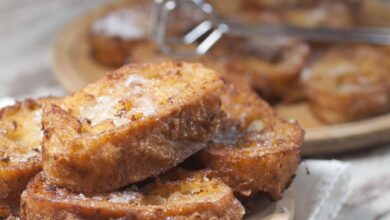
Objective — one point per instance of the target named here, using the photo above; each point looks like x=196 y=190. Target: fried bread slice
x=254 y=151
x=349 y=82
x=272 y=68
x=272 y=74
x=149 y=52
x=20 y=147
x=113 y=36
x=274 y=64
x=187 y=196
x=135 y=123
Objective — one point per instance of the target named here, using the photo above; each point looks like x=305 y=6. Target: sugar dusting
x=124 y=23
x=109 y=108
x=123 y=197
x=23 y=157
x=104 y=109
x=138 y=92
x=135 y=80
x=127 y=196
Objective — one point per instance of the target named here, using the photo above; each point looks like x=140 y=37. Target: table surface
x=27 y=30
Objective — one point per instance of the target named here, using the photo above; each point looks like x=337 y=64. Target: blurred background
x=28 y=29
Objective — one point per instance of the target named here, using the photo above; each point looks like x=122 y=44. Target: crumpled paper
x=320 y=189
x=318 y=192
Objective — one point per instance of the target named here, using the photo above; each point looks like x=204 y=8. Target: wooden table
x=27 y=29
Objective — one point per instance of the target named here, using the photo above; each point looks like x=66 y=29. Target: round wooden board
x=321 y=139
x=75 y=67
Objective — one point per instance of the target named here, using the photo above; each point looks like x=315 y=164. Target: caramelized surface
x=254 y=151
x=114 y=35
x=272 y=68
x=271 y=65
x=349 y=82
x=21 y=133
x=20 y=147
x=129 y=23
x=136 y=123
x=192 y=196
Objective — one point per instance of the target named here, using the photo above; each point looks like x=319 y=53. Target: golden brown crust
x=113 y=35
x=349 y=82
x=270 y=64
x=136 y=123
x=254 y=152
x=272 y=77
x=275 y=72
x=271 y=74
x=194 y=196
x=20 y=146
x=13 y=180
x=110 y=51
x=272 y=69
x=149 y=52
x=236 y=59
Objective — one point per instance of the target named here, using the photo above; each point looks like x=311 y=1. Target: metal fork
x=209 y=31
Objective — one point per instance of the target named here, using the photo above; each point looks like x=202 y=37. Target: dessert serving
x=271 y=65
x=164 y=140
x=135 y=123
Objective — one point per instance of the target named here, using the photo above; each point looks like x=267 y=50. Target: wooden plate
x=321 y=139
x=75 y=67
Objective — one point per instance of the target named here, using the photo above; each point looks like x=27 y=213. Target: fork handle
x=356 y=35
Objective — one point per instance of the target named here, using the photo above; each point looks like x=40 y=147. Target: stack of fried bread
x=273 y=66
x=115 y=149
